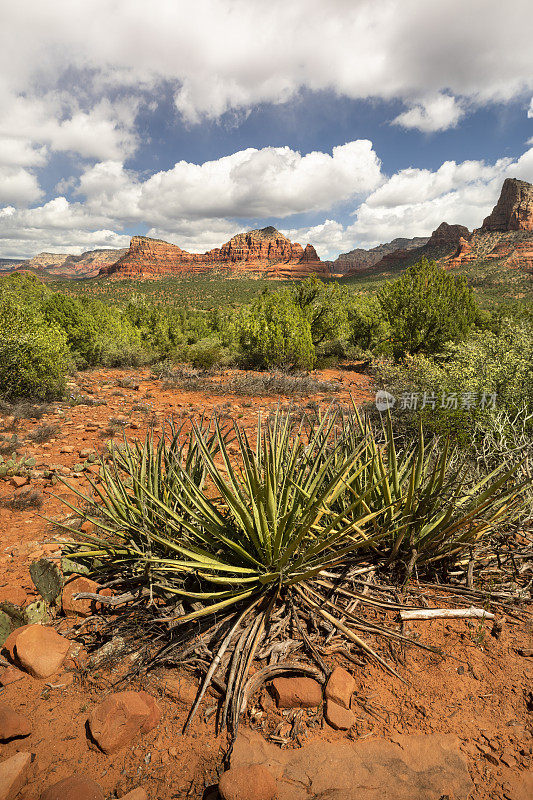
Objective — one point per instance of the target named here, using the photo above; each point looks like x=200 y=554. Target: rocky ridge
x=505 y=237
x=66 y=265
x=258 y=253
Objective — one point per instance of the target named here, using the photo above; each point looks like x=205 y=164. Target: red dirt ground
x=479 y=690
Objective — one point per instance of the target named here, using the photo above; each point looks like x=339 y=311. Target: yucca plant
x=275 y=529
x=426 y=497
x=227 y=537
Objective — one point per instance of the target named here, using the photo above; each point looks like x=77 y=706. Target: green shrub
x=33 y=363
x=426 y=308
x=368 y=327
x=272 y=331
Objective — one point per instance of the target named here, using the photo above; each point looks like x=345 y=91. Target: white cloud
x=220 y=56
x=273 y=181
x=434 y=114
x=329 y=238
x=18 y=185
x=530 y=110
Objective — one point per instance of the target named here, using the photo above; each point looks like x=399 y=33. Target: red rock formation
x=260 y=253
x=447 y=235
x=65 y=265
x=514 y=209
x=463 y=254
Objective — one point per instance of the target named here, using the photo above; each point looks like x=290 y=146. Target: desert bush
x=278 y=383
x=368 y=326
x=426 y=308
x=33 y=363
x=324 y=307
x=23 y=501
x=272 y=331
x=43 y=433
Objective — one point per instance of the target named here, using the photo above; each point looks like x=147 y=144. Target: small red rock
x=40 y=650
x=82 y=608
x=74 y=788
x=115 y=721
x=13 y=775
x=340 y=718
x=340 y=687
x=135 y=794
x=12 y=724
x=19 y=480
x=254 y=782
x=297 y=692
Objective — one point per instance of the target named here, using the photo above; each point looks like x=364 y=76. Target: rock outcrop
x=447 y=235
x=258 y=253
x=359 y=260
x=514 y=209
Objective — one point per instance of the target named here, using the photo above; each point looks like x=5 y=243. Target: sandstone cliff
x=258 y=253
x=514 y=209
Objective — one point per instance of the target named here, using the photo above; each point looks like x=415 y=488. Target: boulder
x=299 y=692
x=412 y=767
x=74 y=788
x=253 y=782
x=115 y=722
x=340 y=687
x=10 y=642
x=12 y=724
x=13 y=775
x=40 y=650
x=339 y=717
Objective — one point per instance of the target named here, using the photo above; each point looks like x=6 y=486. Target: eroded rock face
x=447 y=235
x=514 y=209
x=259 y=253
x=413 y=767
x=463 y=254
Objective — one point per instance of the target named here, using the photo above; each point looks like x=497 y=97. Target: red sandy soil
x=479 y=690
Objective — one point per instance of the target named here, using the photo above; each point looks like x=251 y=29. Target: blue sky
x=343 y=123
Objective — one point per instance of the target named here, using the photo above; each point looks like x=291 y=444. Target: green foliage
x=368 y=327
x=33 y=363
x=324 y=307
x=273 y=331
x=426 y=308
x=47 y=579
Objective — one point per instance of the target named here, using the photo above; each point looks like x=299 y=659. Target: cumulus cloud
x=18 y=185
x=434 y=114
x=272 y=181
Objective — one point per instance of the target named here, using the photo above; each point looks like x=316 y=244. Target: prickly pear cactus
x=13 y=612
x=6 y=627
x=71 y=567
x=48 y=579
x=36 y=612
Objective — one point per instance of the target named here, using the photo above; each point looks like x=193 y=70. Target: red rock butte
x=264 y=253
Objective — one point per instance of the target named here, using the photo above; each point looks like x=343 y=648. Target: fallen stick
x=446 y=613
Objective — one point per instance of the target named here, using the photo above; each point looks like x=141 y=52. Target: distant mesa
x=263 y=253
